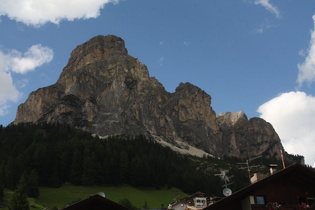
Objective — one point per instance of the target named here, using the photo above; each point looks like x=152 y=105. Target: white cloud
x=307 y=69
x=8 y=92
x=302 y=53
x=264 y=26
x=39 y=12
x=268 y=6
x=35 y=56
x=161 y=60
x=293 y=116
x=17 y=62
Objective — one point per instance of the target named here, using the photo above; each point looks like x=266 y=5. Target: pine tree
x=1 y=195
x=76 y=168
x=124 y=167
x=9 y=174
x=2 y=174
x=19 y=200
x=32 y=189
x=89 y=172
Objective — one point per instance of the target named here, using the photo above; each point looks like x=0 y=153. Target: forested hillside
x=52 y=155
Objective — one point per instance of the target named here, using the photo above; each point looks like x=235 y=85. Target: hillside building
x=287 y=189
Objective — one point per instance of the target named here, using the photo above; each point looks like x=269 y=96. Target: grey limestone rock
x=105 y=91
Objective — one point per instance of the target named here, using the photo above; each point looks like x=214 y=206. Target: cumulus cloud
x=293 y=116
x=21 y=63
x=35 y=56
x=307 y=68
x=268 y=6
x=39 y=12
x=293 y=113
x=8 y=92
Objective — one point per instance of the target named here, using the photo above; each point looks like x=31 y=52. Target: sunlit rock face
x=248 y=138
x=105 y=91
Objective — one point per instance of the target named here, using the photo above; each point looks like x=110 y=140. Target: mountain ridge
x=106 y=91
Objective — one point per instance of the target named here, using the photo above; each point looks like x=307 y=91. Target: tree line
x=54 y=154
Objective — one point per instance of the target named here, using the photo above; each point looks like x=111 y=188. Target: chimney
x=256 y=177
x=273 y=168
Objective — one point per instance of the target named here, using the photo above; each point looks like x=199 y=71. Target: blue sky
x=257 y=56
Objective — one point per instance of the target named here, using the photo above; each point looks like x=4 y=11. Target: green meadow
x=60 y=197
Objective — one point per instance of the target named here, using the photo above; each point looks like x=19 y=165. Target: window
x=260 y=200
x=198 y=201
x=307 y=201
x=310 y=201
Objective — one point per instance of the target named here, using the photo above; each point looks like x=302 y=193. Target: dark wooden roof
x=297 y=170
x=96 y=202
x=198 y=194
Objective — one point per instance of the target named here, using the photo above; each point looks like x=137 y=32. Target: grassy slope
x=59 y=197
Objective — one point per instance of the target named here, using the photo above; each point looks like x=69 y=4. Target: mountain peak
x=105 y=91
x=97 y=49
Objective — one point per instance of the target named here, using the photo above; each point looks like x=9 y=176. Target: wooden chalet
x=95 y=202
x=288 y=189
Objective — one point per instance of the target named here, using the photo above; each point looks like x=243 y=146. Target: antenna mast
x=282 y=158
x=223 y=175
x=248 y=167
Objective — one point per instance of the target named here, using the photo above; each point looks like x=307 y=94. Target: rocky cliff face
x=247 y=138
x=107 y=92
